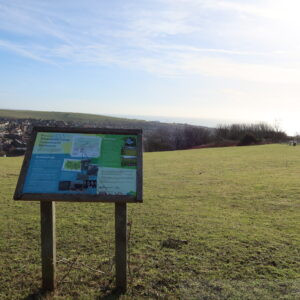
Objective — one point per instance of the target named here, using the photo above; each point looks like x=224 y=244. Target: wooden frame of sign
x=81 y=197
x=47 y=206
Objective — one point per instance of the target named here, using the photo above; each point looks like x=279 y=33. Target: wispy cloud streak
x=169 y=38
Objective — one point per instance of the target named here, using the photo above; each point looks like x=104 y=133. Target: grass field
x=219 y=223
x=58 y=116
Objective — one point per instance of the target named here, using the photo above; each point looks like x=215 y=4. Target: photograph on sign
x=82 y=163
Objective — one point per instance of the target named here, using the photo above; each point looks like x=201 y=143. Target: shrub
x=248 y=139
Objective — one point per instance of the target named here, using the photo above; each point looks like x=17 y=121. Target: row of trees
x=185 y=137
x=176 y=138
x=262 y=132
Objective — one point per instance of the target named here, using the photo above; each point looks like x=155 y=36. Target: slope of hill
x=17 y=124
x=59 y=116
x=84 y=118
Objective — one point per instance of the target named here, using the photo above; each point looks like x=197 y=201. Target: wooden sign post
x=48 y=245
x=82 y=164
x=121 y=246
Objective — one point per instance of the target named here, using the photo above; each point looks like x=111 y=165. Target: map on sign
x=86 y=146
x=82 y=163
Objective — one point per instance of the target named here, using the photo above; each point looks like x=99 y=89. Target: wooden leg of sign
x=48 y=239
x=121 y=246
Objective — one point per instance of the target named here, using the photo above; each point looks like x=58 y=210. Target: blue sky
x=207 y=61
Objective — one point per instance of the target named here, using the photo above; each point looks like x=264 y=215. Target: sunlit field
x=219 y=223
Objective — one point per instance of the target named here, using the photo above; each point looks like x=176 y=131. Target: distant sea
x=193 y=121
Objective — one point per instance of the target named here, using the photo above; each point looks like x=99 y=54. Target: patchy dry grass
x=215 y=224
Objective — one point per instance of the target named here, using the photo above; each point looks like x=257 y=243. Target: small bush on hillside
x=248 y=139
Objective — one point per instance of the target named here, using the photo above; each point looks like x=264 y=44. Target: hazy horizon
x=210 y=123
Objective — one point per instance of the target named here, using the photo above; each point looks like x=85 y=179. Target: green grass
x=238 y=209
x=62 y=116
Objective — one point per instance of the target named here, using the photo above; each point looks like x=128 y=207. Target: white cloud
x=223 y=39
x=242 y=71
x=24 y=51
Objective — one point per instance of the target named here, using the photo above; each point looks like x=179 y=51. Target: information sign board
x=82 y=164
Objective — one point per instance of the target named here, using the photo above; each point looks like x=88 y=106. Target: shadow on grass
x=112 y=295
x=39 y=295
